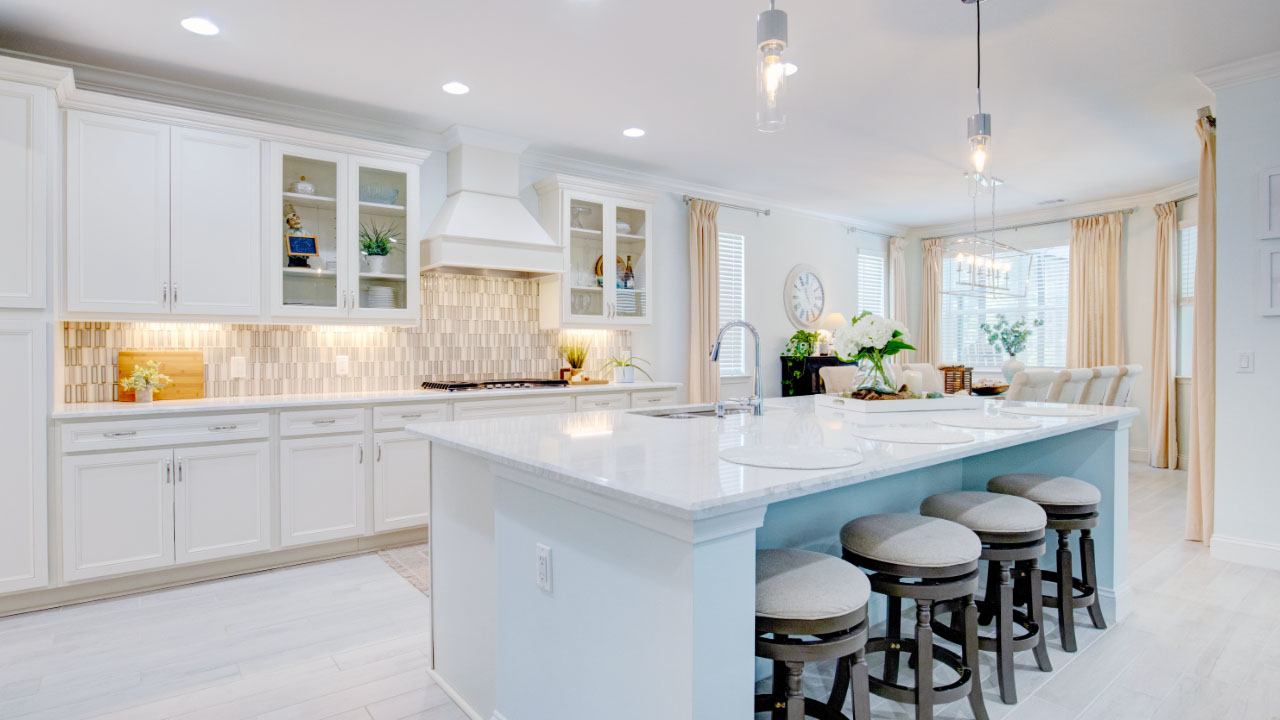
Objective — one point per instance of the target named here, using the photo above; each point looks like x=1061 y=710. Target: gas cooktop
x=518 y=384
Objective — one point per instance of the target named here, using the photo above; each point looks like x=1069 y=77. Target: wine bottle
x=629 y=276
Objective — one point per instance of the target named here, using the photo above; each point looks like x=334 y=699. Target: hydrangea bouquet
x=868 y=340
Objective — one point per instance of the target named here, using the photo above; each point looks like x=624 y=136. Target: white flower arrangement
x=868 y=341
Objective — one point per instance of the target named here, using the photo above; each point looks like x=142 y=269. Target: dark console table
x=800 y=375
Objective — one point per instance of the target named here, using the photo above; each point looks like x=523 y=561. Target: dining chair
x=1032 y=386
x=1069 y=385
x=1101 y=386
x=931 y=375
x=1122 y=389
x=838 y=378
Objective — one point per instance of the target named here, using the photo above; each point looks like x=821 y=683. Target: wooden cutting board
x=184 y=367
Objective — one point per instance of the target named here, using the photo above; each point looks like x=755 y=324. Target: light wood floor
x=345 y=640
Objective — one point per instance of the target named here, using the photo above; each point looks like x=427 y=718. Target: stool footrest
x=1087 y=596
x=1026 y=641
x=943 y=694
x=812 y=708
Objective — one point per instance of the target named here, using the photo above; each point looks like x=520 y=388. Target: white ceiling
x=1090 y=98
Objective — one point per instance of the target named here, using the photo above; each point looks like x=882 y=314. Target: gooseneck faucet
x=755 y=401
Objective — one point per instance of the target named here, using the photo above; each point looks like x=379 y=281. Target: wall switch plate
x=239 y=368
x=544 y=567
x=344 y=367
x=1245 y=363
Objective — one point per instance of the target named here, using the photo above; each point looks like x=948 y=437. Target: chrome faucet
x=756 y=401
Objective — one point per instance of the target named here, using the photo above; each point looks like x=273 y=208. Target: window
x=1186 y=297
x=733 y=355
x=1046 y=299
x=871 y=283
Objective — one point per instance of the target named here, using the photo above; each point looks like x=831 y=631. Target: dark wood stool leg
x=840 y=685
x=1004 y=634
x=987 y=612
x=779 y=683
x=924 y=659
x=1089 y=570
x=795 y=691
x=969 y=654
x=1066 y=619
x=893 y=631
x=861 y=686
x=1035 y=608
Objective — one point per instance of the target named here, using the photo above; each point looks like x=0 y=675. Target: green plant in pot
x=145 y=380
x=574 y=349
x=624 y=368
x=801 y=345
x=1011 y=338
x=375 y=244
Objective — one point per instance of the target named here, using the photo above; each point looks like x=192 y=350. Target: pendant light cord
x=978 y=8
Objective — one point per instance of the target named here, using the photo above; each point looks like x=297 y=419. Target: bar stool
x=811 y=607
x=1012 y=533
x=1070 y=504
x=928 y=560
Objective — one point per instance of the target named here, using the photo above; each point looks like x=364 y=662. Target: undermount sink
x=690 y=412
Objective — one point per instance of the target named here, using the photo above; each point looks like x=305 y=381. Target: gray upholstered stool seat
x=911 y=540
x=1053 y=491
x=986 y=513
x=803 y=585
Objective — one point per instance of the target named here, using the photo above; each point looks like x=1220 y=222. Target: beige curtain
x=929 y=342
x=704 y=299
x=1162 y=423
x=898 y=286
x=1200 y=471
x=1093 y=310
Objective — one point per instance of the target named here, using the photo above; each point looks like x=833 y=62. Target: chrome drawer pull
x=410 y=416
x=122 y=433
x=330 y=421
x=222 y=428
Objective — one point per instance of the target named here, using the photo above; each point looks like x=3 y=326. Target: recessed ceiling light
x=200 y=26
x=455 y=88
x=790 y=68
x=633 y=132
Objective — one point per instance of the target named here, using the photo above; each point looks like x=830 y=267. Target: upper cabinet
x=609 y=254
x=26 y=124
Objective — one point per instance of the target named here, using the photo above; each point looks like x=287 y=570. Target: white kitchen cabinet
x=117 y=214
x=401 y=481
x=117 y=513
x=216 y=205
x=322 y=488
x=26 y=131
x=222 y=501
x=24 y=562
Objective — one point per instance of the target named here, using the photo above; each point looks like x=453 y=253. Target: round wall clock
x=803 y=297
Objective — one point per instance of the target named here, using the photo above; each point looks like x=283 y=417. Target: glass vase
x=875 y=374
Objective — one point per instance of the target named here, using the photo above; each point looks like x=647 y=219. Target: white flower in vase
x=868 y=341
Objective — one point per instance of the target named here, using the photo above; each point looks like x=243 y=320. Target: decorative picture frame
x=1269 y=277
x=1269 y=203
x=301 y=245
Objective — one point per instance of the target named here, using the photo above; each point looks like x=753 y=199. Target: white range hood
x=483 y=225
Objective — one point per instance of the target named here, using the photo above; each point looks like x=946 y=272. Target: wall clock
x=803 y=297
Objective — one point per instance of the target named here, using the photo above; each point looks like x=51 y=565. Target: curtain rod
x=757 y=211
x=855 y=231
x=1129 y=211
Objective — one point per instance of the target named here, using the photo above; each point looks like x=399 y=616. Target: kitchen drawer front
x=395 y=417
x=321 y=422
x=652 y=398
x=152 y=432
x=472 y=409
x=604 y=401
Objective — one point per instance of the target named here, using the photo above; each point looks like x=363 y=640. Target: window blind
x=872 y=284
x=733 y=356
x=1186 y=299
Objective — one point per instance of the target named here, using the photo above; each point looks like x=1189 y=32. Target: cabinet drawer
x=321 y=422
x=652 y=398
x=508 y=407
x=604 y=401
x=120 y=434
x=395 y=417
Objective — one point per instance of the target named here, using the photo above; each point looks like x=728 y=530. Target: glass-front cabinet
x=347 y=230
x=605 y=232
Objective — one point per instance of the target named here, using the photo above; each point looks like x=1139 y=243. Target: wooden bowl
x=988 y=390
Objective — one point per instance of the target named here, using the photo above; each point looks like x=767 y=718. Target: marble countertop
x=84 y=411
x=673 y=466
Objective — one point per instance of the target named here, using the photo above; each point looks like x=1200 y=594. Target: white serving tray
x=950 y=402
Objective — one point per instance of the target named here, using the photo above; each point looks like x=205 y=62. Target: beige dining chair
x=1122 y=389
x=838 y=378
x=1032 y=386
x=931 y=375
x=1102 y=386
x=1069 y=385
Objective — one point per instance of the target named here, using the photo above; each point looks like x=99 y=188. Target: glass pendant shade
x=980 y=266
x=771 y=70
x=979 y=143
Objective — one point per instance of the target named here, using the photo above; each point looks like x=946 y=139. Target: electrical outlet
x=344 y=367
x=1245 y=363
x=544 y=568
x=239 y=368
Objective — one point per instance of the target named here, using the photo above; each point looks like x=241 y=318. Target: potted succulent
x=1007 y=337
x=574 y=349
x=624 y=368
x=144 y=380
x=375 y=244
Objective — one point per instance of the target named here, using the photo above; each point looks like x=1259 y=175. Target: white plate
x=791 y=458
x=1049 y=411
x=914 y=434
x=985 y=422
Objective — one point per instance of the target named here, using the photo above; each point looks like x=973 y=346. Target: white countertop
x=84 y=411
x=673 y=466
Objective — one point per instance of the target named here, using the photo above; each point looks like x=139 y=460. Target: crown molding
x=478 y=137
x=60 y=79
x=1065 y=212
x=1241 y=72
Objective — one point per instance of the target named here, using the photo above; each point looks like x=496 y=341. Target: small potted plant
x=1007 y=337
x=801 y=345
x=574 y=349
x=144 y=380
x=624 y=368
x=375 y=244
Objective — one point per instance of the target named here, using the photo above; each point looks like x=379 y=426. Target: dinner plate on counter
x=1049 y=411
x=912 y=434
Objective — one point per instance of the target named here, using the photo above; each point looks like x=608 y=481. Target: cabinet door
x=401 y=481
x=322 y=489
x=217 y=223
x=25 y=132
x=588 y=293
x=117 y=214
x=386 y=199
x=117 y=513
x=311 y=256
x=632 y=286
x=24 y=562
x=222 y=501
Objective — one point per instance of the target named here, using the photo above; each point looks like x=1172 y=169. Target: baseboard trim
x=1139 y=455
x=457 y=699
x=1116 y=603
x=1245 y=552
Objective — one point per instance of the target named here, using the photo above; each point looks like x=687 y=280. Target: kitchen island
x=644 y=607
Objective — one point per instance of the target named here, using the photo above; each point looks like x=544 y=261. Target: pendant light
x=771 y=70
x=979 y=122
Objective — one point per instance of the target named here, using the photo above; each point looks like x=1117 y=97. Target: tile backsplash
x=472 y=328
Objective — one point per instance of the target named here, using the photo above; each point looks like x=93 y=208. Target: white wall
x=1248 y=405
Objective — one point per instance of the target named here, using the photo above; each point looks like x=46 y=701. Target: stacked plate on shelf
x=381 y=298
